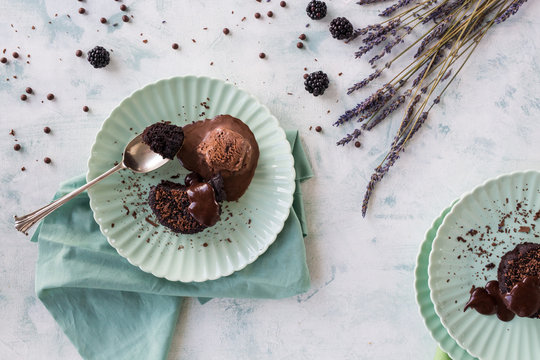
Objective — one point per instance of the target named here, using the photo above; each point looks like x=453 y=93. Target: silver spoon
x=137 y=156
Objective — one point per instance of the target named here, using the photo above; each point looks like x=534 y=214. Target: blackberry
x=316 y=83
x=341 y=28
x=98 y=57
x=316 y=9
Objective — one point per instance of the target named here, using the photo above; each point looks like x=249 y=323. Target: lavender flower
x=512 y=10
x=393 y=8
x=394 y=105
x=390 y=45
x=375 y=178
x=369 y=106
x=447 y=75
x=381 y=31
x=442 y=11
x=350 y=137
x=363 y=31
x=366 y=81
x=364 y=2
x=436 y=33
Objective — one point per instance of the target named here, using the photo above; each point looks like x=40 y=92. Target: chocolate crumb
x=12 y=132
x=205 y=244
x=82 y=10
x=23 y=168
x=125 y=18
x=262 y=55
x=524 y=229
x=15 y=54
x=302 y=37
x=50 y=96
x=299 y=45
x=123 y=7
x=46 y=130
x=150 y=221
x=175 y=46
x=29 y=90
x=318 y=129
x=47 y=160
x=78 y=53
x=24 y=97
x=3 y=60
x=270 y=14
x=103 y=20
x=17 y=147
x=357 y=144
x=226 y=31
x=490 y=266
x=282 y=4
x=257 y=15
x=85 y=108
x=306 y=76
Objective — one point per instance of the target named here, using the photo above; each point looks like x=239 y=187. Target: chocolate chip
x=15 y=54
x=24 y=97
x=3 y=60
x=302 y=37
x=282 y=4
x=46 y=130
x=318 y=129
x=82 y=10
x=257 y=15
x=85 y=108
x=175 y=46
x=125 y=18
x=78 y=53
x=262 y=55
x=269 y=14
x=29 y=90
x=299 y=45
x=47 y=160
x=226 y=31
x=17 y=147
x=50 y=96
x=357 y=144
x=103 y=20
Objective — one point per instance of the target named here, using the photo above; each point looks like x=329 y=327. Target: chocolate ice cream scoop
x=223 y=145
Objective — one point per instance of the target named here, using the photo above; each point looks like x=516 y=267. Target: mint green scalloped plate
x=455 y=266
x=248 y=226
x=423 y=299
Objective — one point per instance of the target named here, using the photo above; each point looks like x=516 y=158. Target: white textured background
x=361 y=305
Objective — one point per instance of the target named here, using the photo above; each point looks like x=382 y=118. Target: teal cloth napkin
x=110 y=309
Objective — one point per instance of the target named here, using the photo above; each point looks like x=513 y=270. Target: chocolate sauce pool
x=523 y=300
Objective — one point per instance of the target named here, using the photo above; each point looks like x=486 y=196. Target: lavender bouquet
x=454 y=30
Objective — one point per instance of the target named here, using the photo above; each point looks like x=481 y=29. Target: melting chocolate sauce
x=523 y=300
x=203 y=206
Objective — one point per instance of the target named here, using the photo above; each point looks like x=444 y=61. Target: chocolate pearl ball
x=282 y=4
x=257 y=15
x=82 y=10
x=299 y=45
x=123 y=7
x=103 y=20
x=47 y=160
x=270 y=14
x=46 y=130
x=302 y=37
x=15 y=54
x=125 y=18
x=318 y=129
x=50 y=96
x=78 y=53
x=3 y=60
x=357 y=144
x=24 y=97
x=85 y=108
x=175 y=46
x=17 y=147
x=262 y=55
x=226 y=31
x=29 y=90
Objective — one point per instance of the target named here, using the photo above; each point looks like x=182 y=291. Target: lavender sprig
x=369 y=106
x=436 y=33
x=393 y=8
x=394 y=105
x=350 y=137
x=389 y=46
x=364 y=2
x=366 y=81
x=512 y=10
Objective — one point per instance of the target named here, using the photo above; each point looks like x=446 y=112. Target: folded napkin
x=110 y=309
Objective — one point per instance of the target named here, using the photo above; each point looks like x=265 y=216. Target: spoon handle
x=23 y=223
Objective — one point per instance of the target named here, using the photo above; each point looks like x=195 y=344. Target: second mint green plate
x=247 y=227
